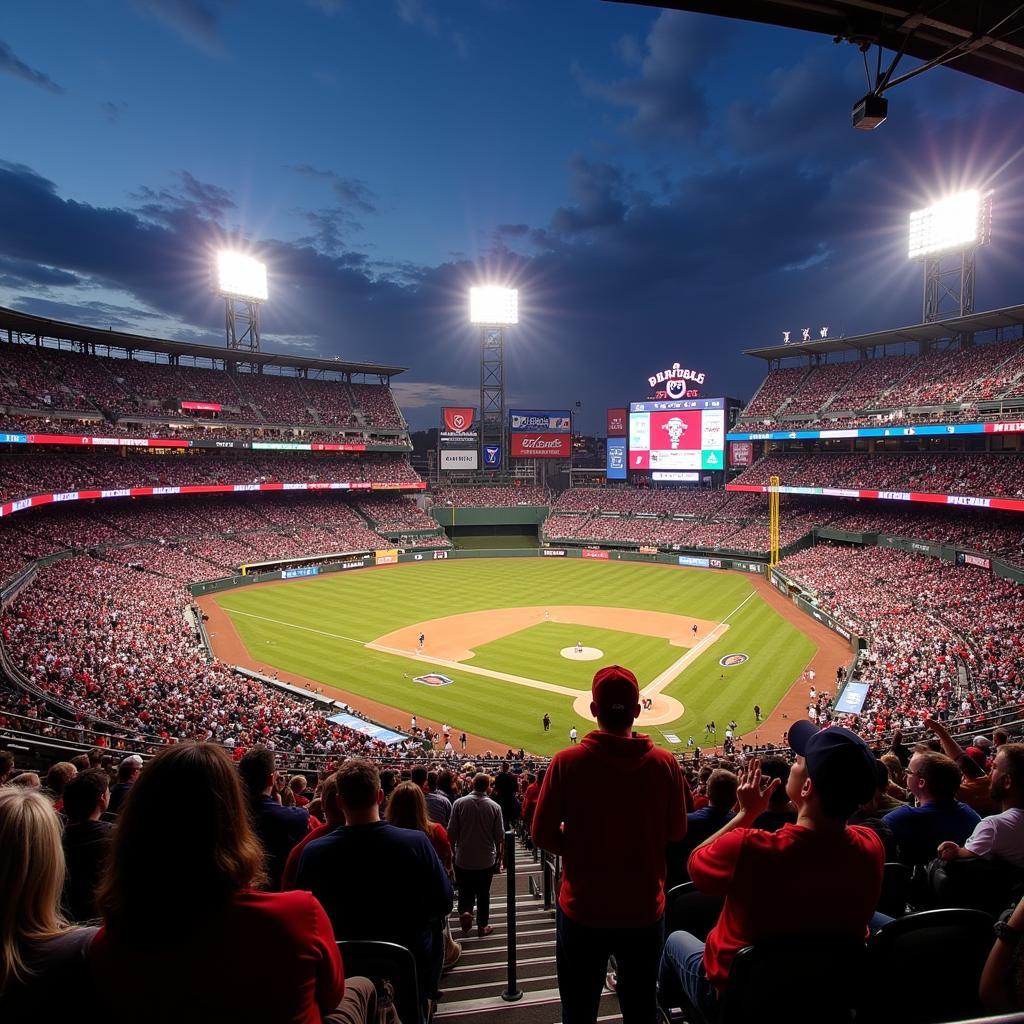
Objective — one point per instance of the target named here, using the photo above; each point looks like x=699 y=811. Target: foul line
x=675 y=669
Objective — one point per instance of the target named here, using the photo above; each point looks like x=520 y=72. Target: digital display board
x=683 y=435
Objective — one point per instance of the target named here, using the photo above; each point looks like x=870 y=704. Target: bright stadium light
x=240 y=276
x=953 y=224
x=492 y=305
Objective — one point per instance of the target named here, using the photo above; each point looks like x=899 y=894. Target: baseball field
x=507 y=640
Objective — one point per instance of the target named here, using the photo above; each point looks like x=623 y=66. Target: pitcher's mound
x=581 y=653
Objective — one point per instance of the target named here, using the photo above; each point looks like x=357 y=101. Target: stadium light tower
x=492 y=309
x=945 y=238
x=242 y=281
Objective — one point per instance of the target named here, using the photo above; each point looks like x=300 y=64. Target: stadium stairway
x=472 y=989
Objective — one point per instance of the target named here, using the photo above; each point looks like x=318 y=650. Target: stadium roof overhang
x=59 y=330
x=939 y=330
x=982 y=38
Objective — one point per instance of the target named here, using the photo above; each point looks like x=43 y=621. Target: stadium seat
x=938 y=956
x=804 y=979
x=895 y=889
x=389 y=962
x=687 y=909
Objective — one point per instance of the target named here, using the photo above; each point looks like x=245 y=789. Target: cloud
x=112 y=111
x=188 y=196
x=19 y=273
x=352 y=192
x=92 y=313
x=666 y=100
x=195 y=21
x=418 y=14
x=11 y=64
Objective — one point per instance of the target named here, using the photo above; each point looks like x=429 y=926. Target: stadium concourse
x=124 y=480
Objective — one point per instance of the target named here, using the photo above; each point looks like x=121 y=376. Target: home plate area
x=582 y=653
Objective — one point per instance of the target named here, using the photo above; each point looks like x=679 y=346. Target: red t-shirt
x=609 y=807
x=291 y=865
x=266 y=958
x=790 y=881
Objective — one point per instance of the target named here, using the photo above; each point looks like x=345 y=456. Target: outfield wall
x=519 y=515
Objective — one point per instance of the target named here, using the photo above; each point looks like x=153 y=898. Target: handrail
x=513 y=993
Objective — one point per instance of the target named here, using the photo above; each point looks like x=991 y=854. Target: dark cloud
x=353 y=193
x=196 y=21
x=94 y=314
x=666 y=99
x=19 y=273
x=11 y=64
x=188 y=197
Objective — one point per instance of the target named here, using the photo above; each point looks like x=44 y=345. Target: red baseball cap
x=615 y=689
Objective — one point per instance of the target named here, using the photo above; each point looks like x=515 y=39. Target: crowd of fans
x=50 y=380
x=24 y=474
x=982 y=474
x=981 y=373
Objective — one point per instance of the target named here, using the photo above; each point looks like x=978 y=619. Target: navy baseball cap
x=839 y=763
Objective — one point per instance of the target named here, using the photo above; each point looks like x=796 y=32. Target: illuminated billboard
x=682 y=435
x=540 y=433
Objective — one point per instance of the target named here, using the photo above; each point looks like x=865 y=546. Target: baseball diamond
x=356 y=635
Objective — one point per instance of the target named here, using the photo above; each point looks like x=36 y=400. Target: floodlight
x=240 y=276
x=957 y=222
x=493 y=305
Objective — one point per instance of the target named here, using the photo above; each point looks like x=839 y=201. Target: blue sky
x=660 y=186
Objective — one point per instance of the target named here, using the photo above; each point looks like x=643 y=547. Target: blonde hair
x=31 y=877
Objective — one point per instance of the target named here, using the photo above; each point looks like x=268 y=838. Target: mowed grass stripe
x=364 y=605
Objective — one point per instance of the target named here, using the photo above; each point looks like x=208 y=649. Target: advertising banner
x=553 y=553
x=548 y=422
x=541 y=446
x=466 y=458
x=741 y=453
x=695 y=562
x=458 y=427
x=202 y=406
x=969 y=558
x=918 y=430
x=675 y=477
x=617 y=420
x=309 y=570
x=387 y=557
x=492 y=456
x=851 y=701
x=594 y=553
x=616 y=450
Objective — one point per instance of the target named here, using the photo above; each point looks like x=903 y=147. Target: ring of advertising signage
x=682 y=435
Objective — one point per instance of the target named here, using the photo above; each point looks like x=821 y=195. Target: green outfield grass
x=317 y=628
x=529 y=651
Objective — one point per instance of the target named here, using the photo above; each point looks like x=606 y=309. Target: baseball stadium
x=239 y=591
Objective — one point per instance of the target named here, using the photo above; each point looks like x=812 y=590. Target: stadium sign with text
x=540 y=434
x=676 y=382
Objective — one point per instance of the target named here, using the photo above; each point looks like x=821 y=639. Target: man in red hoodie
x=609 y=806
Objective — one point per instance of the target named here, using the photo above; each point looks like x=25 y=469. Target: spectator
x=43 y=972
x=609 y=807
x=59 y=775
x=279 y=828
x=881 y=803
x=27 y=780
x=932 y=779
x=299 y=786
x=127 y=772
x=477 y=835
x=439 y=807
x=1002 y=980
x=332 y=819
x=186 y=933
x=407 y=808
x=6 y=767
x=1001 y=836
x=834 y=774
x=402 y=893
x=86 y=841
x=721 y=794
x=506 y=787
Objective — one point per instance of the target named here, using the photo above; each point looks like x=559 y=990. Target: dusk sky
x=661 y=187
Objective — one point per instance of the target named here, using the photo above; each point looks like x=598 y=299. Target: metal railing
x=513 y=993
